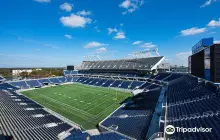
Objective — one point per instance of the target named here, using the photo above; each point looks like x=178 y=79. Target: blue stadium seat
x=7 y=86
x=69 y=79
x=145 y=85
x=1 y=78
x=125 y=84
x=204 y=122
x=130 y=75
x=27 y=121
x=81 y=79
x=116 y=83
x=135 y=84
x=108 y=83
x=162 y=76
x=94 y=81
x=67 y=72
x=192 y=104
x=77 y=134
x=152 y=86
x=33 y=83
x=54 y=80
x=172 y=77
x=88 y=81
x=62 y=79
x=75 y=79
x=132 y=123
x=101 y=82
x=108 y=136
x=134 y=116
x=20 y=84
x=44 y=81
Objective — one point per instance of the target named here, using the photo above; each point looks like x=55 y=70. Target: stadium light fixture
x=146 y=53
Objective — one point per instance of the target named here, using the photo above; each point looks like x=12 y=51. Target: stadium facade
x=161 y=103
x=205 y=60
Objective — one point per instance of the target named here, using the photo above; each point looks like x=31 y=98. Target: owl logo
x=170 y=129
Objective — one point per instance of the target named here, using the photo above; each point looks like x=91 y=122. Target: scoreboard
x=205 y=60
x=70 y=67
x=202 y=44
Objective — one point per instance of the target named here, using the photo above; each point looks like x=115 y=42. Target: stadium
x=109 y=70
x=111 y=99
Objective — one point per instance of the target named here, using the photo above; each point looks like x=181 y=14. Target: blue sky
x=49 y=33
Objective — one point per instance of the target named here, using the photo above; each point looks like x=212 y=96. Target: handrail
x=156 y=135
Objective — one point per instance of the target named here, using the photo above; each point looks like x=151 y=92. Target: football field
x=82 y=104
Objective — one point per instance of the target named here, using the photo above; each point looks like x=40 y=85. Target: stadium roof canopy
x=148 y=64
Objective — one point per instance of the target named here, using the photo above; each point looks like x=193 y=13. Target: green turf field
x=84 y=105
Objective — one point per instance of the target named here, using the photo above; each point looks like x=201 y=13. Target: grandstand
x=2 y=79
x=22 y=118
x=108 y=100
x=199 y=105
x=149 y=63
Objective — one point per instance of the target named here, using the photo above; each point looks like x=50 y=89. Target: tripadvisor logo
x=170 y=129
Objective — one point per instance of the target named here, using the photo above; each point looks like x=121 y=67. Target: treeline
x=6 y=72
x=36 y=73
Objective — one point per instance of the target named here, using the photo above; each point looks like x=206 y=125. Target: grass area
x=84 y=105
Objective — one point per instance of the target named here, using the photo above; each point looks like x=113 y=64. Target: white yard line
x=90 y=105
x=73 y=113
x=66 y=105
x=79 y=110
x=95 y=101
x=98 y=105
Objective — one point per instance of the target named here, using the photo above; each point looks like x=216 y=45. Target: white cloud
x=131 y=5
x=208 y=2
x=131 y=10
x=124 y=13
x=184 y=53
x=101 y=50
x=214 y=23
x=94 y=44
x=97 y=29
x=148 y=45
x=42 y=1
x=137 y=42
x=182 y=57
x=126 y=4
x=193 y=31
x=120 y=35
x=168 y=59
x=75 y=21
x=110 y=30
x=217 y=42
x=66 y=7
x=84 y=13
x=68 y=36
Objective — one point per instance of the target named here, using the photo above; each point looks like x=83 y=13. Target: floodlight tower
x=145 y=53
x=156 y=50
x=92 y=57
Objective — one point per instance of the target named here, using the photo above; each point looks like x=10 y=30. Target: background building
x=163 y=67
x=179 y=69
x=205 y=60
x=18 y=72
